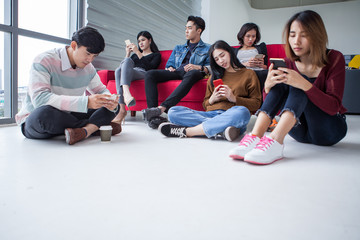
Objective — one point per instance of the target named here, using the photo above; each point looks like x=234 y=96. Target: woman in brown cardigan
x=227 y=106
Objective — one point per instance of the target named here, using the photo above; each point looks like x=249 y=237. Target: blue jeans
x=213 y=122
x=313 y=125
x=125 y=74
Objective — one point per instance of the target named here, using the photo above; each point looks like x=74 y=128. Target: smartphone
x=278 y=62
x=112 y=97
x=218 y=82
x=127 y=42
x=259 y=56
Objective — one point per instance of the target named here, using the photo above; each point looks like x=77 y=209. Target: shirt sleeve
x=263 y=50
x=171 y=60
x=253 y=99
x=329 y=99
x=209 y=92
x=96 y=86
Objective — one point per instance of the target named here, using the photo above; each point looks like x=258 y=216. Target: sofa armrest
x=106 y=75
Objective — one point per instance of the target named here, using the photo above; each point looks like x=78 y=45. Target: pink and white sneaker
x=266 y=151
x=246 y=145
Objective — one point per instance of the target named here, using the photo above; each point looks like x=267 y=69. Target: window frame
x=75 y=21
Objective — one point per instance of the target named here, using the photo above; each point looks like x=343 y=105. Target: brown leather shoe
x=116 y=129
x=74 y=135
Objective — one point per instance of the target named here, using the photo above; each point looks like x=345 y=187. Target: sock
x=86 y=134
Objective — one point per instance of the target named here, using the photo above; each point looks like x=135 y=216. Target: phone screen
x=278 y=62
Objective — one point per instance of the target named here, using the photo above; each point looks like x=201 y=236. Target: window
x=5 y=12
x=27 y=30
x=51 y=18
x=5 y=89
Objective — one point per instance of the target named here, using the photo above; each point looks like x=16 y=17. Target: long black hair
x=146 y=34
x=218 y=72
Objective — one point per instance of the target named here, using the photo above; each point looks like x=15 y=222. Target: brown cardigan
x=245 y=86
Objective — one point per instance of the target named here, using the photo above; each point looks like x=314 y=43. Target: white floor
x=145 y=186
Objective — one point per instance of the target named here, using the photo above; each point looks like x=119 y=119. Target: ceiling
x=271 y=4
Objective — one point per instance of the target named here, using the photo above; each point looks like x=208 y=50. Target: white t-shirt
x=245 y=55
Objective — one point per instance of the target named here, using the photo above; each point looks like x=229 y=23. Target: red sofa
x=192 y=100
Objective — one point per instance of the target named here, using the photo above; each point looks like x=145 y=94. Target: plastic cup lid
x=106 y=127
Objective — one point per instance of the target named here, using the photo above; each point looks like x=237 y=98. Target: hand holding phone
x=259 y=56
x=127 y=42
x=278 y=62
x=218 y=82
x=112 y=97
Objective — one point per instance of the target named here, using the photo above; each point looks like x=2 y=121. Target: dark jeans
x=153 y=77
x=261 y=74
x=313 y=125
x=47 y=121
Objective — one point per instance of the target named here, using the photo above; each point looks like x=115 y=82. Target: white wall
x=224 y=19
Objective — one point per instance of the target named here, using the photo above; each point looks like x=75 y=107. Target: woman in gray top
x=252 y=56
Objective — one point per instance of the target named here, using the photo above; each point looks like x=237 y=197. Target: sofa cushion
x=192 y=100
x=165 y=55
x=196 y=94
x=165 y=89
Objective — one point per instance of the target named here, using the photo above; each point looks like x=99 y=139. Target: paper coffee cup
x=105 y=133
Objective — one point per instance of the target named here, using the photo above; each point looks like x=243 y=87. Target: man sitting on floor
x=55 y=102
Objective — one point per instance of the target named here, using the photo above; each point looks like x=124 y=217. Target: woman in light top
x=250 y=54
x=145 y=56
x=308 y=94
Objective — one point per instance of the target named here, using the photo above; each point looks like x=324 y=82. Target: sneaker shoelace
x=264 y=143
x=178 y=131
x=247 y=140
x=272 y=125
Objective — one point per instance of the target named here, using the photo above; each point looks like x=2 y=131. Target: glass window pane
x=5 y=87
x=51 y=18
x=5 y=12
x=28 y=53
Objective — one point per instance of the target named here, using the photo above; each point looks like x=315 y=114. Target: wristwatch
x=202 y=68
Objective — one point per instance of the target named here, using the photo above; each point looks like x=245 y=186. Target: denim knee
x=174 y=112
x=241 y=111
x=241 y=116
x=126 y=62
x=118 y=70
